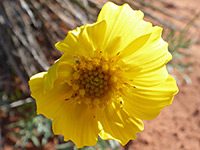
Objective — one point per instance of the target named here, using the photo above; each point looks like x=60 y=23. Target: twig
x=161 y=10
x=95 y=4
x=17 y=103
x=43 y=18
x=29 y=12
x=24 y=56
x=62 y=16
x=83 y=4
x=68 y=7
x=16 y=31
x=14 y=65
x=165 y=23
x=164 y=11
x=21 y=102
x=168 y=4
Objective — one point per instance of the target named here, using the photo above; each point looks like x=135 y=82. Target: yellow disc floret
x=94 y=82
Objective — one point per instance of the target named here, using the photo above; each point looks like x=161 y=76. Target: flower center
x=94 y=81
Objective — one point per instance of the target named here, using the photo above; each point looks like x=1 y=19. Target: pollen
x=75 y=87
x=91 y=81
x=95 y=81
x=76 y=75
x=82 y=92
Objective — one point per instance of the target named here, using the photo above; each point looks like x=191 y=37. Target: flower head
x=111 y=76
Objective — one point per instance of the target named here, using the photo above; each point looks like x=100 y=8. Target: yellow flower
x=111 y=76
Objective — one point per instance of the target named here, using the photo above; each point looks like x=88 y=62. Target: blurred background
x=30 y=28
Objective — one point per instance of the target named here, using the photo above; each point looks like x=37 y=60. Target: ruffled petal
x=48 y=102
x=68 y=45
x=51 y=76
x=95 y=34
x=116 y=124
x=124 y=22
x=147 y=102
x=36 y=84
x=61 y=68
x=76 y=122
x=147 y=65
x=84 y=40
x=135 y=45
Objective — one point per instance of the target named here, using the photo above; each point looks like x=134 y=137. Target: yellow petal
x=76 y=122
x=135 y=45
x=84 y=40
x=61 y=68
x=36 y=84
x=113 y=47
x=65 y=72
x=68 y=45
x=124 y=22
x=91 y=38
x=147 y=102
x=116 y=124
x=147 y=66
x=48 y=102
x=51 y=76
x=95 y=34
